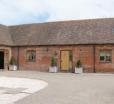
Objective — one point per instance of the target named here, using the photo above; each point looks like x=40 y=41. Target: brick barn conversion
x=33 y=45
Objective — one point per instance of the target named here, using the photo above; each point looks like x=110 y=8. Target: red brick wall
x=104 y=67
x=83 y=52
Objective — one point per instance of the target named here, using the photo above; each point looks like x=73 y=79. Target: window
x=31 y=55
x=105 y=56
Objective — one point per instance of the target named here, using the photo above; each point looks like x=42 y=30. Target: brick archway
x=5 y=57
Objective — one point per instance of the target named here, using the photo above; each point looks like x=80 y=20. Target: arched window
x=31 y=56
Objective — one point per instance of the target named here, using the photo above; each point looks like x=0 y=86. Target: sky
x=14 y=12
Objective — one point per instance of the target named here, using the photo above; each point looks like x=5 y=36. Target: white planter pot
x=78 y=70
x=12 y=67
x=53 y=69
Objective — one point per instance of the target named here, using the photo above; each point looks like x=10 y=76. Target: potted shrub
x=53 y=68
x=78 y=68
x=13 y=64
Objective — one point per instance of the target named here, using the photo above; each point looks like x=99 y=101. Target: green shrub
x=78 y=64
x=13 y=61
x=53 y=61
x=70 y=56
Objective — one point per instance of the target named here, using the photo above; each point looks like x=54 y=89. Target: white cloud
x=26 y=11
x=81 y=9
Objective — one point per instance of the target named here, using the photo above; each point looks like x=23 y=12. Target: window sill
x=30 y=61
x=105 y=62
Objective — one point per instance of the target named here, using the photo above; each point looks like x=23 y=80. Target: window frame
x=105 y=51
x=30 y=52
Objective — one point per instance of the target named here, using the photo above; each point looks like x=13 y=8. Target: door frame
x=70 y=70
x=3 y=58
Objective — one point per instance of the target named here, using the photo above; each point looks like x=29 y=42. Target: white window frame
x=107 y=54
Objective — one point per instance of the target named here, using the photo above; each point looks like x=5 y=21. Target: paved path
x=13 y=89
x=67 y=88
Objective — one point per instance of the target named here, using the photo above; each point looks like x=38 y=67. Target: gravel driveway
x=68 y=88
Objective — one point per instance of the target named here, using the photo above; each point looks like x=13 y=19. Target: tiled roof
x=94 y=31
x=5 y=37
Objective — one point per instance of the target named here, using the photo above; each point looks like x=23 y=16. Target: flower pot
x=12 y=67
x=78 y=70
x=53 y=69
